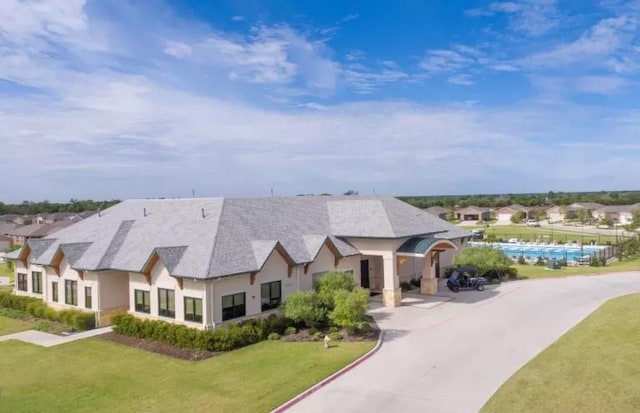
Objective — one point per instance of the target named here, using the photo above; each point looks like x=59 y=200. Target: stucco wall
x=113 y=290
x=160 y=278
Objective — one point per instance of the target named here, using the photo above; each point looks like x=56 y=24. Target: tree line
x=46 y=207
x=549 y=198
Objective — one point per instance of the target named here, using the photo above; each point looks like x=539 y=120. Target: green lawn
x=592 y=368
x=536 y=271
x=10 y=325
x=97 y=375
x=5 y=271
x=523 y=232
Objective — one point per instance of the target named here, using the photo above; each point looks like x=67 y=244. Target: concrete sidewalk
x=453 y=357
x=49 y=340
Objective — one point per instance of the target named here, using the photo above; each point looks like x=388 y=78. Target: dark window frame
x=166 y=312
x=274 y=295
x=190 y=309
x=54 y=291
x=144 y=306
x=235 y=310
x=88 y=303
x=22 y=283
x=71 y=286
x=36 y=287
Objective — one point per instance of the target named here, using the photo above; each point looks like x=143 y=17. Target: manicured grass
x=97 y=375
x=5 y=271
x=10 y=325
x=536 y=271
x=525 y=233
x=592 y=368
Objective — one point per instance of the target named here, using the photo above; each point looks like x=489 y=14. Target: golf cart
x=467 y=278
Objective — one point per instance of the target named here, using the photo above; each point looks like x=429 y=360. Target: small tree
x=583 y=216
x=486 y=260
x=516 y=218
x=329 y=284
x=304 y=307
x=350 y=308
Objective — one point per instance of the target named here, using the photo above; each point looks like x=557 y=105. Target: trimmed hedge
x=35 y=307
x=224 y=338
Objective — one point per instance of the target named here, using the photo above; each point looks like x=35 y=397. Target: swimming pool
x=533 y=252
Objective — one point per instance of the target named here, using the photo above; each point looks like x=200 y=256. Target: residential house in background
x=438 y=211
x=620 y=214
x=571 y=211
x=473 y=213
x=21 y=233
x=556 y=213
x=205 y=262
x=505 y=214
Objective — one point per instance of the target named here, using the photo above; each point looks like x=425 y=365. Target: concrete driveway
x=453 y=357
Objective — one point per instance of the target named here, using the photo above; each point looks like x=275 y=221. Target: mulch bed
x=371 y=335
x=160 y=348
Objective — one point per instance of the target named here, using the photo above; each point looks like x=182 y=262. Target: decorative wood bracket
x=252 y=278
x=306 y=267
x=179 y=280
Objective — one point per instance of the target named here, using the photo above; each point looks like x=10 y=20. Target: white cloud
x=461 y=80
x=365 y=80
x=177 y=49
x=100 y=129
x=237 y=18
x=597 y=46
x=349 y=17
x=603 y=85
x=531 y=17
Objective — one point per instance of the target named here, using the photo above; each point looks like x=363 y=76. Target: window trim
x=55 y=296
x=22 y=283
x=166 y=312
x=35 y=284
x=234 y=313
x=272 y=302
x=74 y=292
x=140 y=308
x=191 y=315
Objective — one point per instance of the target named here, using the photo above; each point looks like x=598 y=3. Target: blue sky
x=119 y=99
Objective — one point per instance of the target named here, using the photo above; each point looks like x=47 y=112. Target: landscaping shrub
x=333 y=329
x=363 y=326
x=350 y=307
x=290 y=330
x=318 y=336
x=305 y=307
x=521 y=260
x=328 y=284
x=486 y=259
x=335 y=336
x=35 y=307
x=274 y=336
x=224 y=338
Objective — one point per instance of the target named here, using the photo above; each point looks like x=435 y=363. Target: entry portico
x=388 y=260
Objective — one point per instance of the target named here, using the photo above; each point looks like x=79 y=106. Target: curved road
x=453 y=357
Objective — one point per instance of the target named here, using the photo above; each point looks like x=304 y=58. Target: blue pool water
x=570 y=253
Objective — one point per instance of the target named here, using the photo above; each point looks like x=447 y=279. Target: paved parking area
x=452 y=357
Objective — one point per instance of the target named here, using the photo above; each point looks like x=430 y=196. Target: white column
x=429 y=283
x=391 y=293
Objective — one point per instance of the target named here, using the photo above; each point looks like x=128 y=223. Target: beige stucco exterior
x=114 y=291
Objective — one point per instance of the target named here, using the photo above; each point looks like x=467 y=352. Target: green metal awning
x=420 y=246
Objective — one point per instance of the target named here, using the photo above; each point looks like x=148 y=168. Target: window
x=192 y=309
x=87 y=297
x=143 y=301
x=22 y=282
x=36 y=282
x=233 y=306
x=315 y=276
x=166 y=303
x=54 y=291
x=71 y=292
x=270 y=294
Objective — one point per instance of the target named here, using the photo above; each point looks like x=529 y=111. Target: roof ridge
x=214 y=244
x=115 y=244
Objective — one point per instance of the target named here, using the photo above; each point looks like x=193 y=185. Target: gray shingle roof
x=233 y=235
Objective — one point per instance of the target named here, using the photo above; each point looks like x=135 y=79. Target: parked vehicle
x=532 y=223
x=477 y=234
x=465 y=278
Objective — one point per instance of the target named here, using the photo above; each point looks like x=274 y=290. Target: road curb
x=288 y=404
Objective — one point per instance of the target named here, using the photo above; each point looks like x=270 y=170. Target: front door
x=364 y=273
